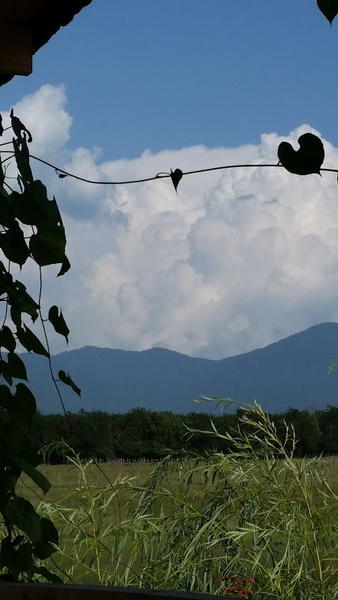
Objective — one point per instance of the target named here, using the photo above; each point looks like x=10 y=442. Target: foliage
x=207 y=524
x=143 y=433
x=31 y=228
x=329 y=8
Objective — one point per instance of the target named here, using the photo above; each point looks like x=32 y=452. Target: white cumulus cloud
x=235 y=260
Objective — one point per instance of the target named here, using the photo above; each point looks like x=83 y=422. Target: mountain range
x=292 y=372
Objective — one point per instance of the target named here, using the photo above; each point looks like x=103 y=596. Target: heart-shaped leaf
x=15 y=366
x=13 y=245
x=49 y=536
x=308 y=159
x=176 y=177
x=21 y=513
x=23 y=407
x=7 y=339
x=20 y=302
x=329 y=8
x=58 y=322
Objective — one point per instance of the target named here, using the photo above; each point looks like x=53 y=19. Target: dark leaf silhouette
x=1 y=127
x=329 y=8
x=58 y=322
x=2 y=175
x=13 y=245
x=22 y=408
x=65 y=378
x=29 y=340
x=176 y=177
x=22 y=514
x=64 y=267
x=5 y=396
x=18 y=127
x=20 y=301
x=22 y=160
x=61 y=175
x=308 y=159
x=49 y=536
x=7 y=339
x=15 y=367
x=37 y=477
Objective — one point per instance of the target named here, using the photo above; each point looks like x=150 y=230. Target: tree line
x=142 y=433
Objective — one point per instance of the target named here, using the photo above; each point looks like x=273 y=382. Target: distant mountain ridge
x=290 y=372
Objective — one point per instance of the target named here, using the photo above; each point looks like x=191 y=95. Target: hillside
x=290 y=372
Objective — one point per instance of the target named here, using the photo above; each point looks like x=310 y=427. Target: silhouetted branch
x=62 y=173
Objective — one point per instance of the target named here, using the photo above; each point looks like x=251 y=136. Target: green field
x=256 y=513
x=64 y=478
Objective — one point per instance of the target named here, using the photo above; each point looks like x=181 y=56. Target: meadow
x=256 y=520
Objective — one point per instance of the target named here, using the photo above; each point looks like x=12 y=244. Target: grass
x=256 y=513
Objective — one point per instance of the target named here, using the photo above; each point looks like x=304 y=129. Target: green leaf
x=64 y=377
x=7 y=339
x=49 y=537
x=22 y=407
x=15 y=367
x=21 y=513
x=16 y=556
x=37 y=477
x=8 y=480
x=48 y=574
x=19 y=446
x=49 y=531
x=58 y=322
x=329 y=8
x=29 y=340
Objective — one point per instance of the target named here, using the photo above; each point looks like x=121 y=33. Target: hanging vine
x=31 y=229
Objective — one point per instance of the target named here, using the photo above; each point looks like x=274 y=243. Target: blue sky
x=236 y=259
x=155 y=75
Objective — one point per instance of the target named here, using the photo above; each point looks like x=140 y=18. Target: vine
x=31 y=228
x=304 y=161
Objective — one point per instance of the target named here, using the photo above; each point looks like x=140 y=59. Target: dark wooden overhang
x=25 y=26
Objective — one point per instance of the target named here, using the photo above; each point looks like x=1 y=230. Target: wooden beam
x=15 y=49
